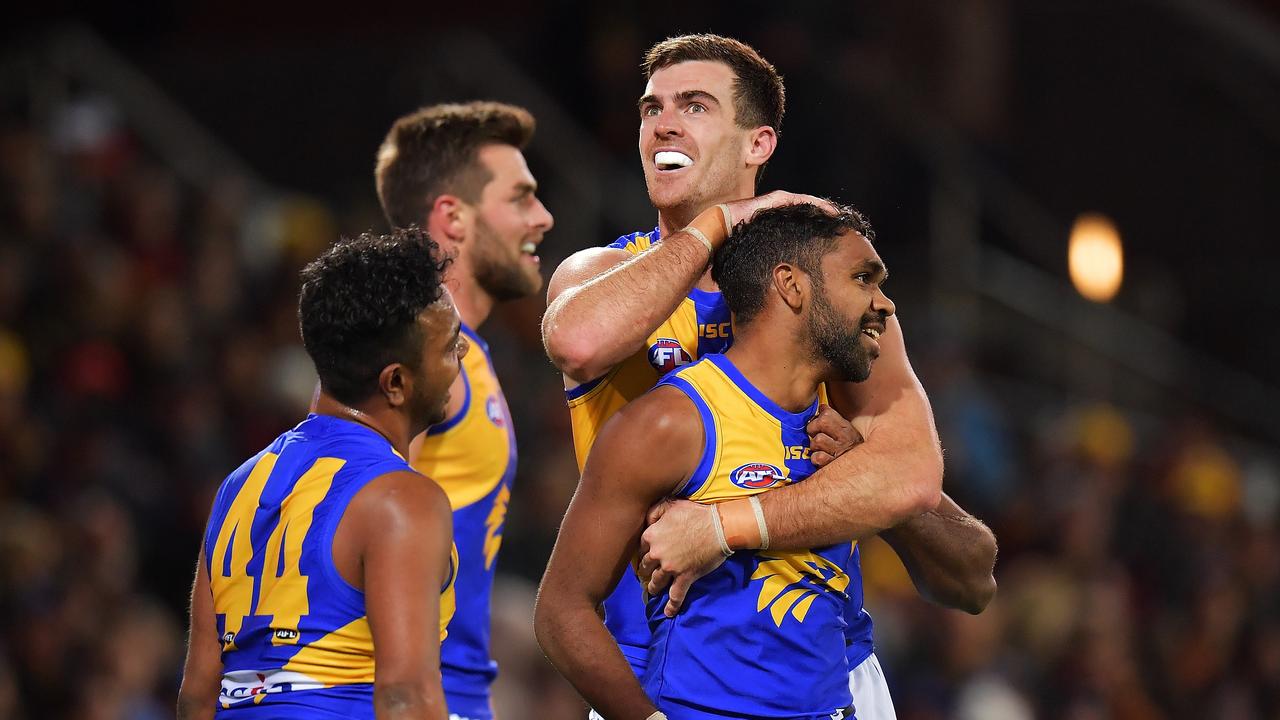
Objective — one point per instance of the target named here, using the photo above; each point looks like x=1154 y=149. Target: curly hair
x=798 y=234
x=359 y=305
x=432 y=151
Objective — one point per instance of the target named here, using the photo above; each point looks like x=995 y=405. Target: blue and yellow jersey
x=472 y=455
x=295 y=639
x=763 y=635
x=699 y=325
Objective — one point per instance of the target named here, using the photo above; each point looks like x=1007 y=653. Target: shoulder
x=584 y=265
x=399 y=497
x=665 y=416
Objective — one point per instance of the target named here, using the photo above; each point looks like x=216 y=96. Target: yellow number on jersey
x=282 y=587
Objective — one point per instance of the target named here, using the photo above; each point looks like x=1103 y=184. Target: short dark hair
x=799 y=234
x=758 y=95
x=359 y=305
x=432 y=151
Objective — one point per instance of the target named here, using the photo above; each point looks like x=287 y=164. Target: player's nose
x=541 y=220
x=881 y=303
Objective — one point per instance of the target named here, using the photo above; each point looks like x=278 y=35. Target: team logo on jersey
x=667 y=355
x=493 y=408
x=792 y=583
x=757 y=476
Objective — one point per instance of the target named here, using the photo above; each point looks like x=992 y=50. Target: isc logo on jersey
x=667 y=355
x=757 y=476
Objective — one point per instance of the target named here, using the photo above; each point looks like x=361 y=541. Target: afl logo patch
x=493 y=409
x=756 y=476
x=667 y=355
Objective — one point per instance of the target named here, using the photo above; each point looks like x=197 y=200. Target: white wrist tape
x=657 y=716
x=728 y=218
x=715 y=520
x=698 y=234
x=764 y=529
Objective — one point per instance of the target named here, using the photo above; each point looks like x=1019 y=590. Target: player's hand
x=678 y=547
x=830 y=436
x=742 y=210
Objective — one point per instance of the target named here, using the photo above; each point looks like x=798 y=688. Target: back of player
x=763 y=635
x=295 y=638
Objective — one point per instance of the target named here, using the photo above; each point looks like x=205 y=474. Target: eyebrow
x=875 y=266
x=526 y=187
x=682 y=96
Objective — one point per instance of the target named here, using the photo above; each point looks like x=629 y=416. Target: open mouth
x=671 y=160
x=529 y=250
x=871 y=332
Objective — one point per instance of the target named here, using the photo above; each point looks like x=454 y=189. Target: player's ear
x=395 y=384
x=761 y=143
x=791 y=284
x=447 y=221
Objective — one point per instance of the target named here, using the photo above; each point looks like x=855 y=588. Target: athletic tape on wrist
x=741 y=531
x=691 y=230
x=657 y=716
x=715 y=520
x=764 y=529
x=728 y=219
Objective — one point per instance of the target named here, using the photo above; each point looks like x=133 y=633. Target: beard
x=500 y=270
x=835 y=341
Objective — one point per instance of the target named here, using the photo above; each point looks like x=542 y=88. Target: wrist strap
x=711 y=227
x=759 y=513
x=715 y=520
x=741 y=531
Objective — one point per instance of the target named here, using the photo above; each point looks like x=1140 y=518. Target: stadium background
x=167 y=169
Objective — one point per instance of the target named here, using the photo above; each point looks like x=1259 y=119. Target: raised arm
x=602 y=303
x=402 y=528
x=642 y=454
x=198 y=697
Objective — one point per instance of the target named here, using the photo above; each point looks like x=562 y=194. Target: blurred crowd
x=148 y=344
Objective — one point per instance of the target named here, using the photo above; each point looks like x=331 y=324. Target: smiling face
x=849 y=308
x=508 y=226
x=693 y=153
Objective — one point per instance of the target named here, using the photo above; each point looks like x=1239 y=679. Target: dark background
x=167 y=169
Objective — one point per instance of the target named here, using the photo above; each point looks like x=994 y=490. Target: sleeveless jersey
x=762 y=635
x=472 y=455
x=295 y=639
x=700 y=325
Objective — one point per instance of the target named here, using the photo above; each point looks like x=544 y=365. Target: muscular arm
x=950 y=556
x=894 y=475
x=641 y=455
x=198 y=697
x=403 y=527
x=603 y=302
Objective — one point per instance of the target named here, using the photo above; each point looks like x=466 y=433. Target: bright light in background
x=1095 y=257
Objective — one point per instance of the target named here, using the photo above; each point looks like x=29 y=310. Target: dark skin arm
x=642 y=454
x=949 y=553
x=201 y=675
x=394 y=542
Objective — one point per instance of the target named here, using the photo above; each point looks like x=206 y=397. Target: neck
x=790 y=380
x=473 y=303
x=674 y=219
x=389 y=424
